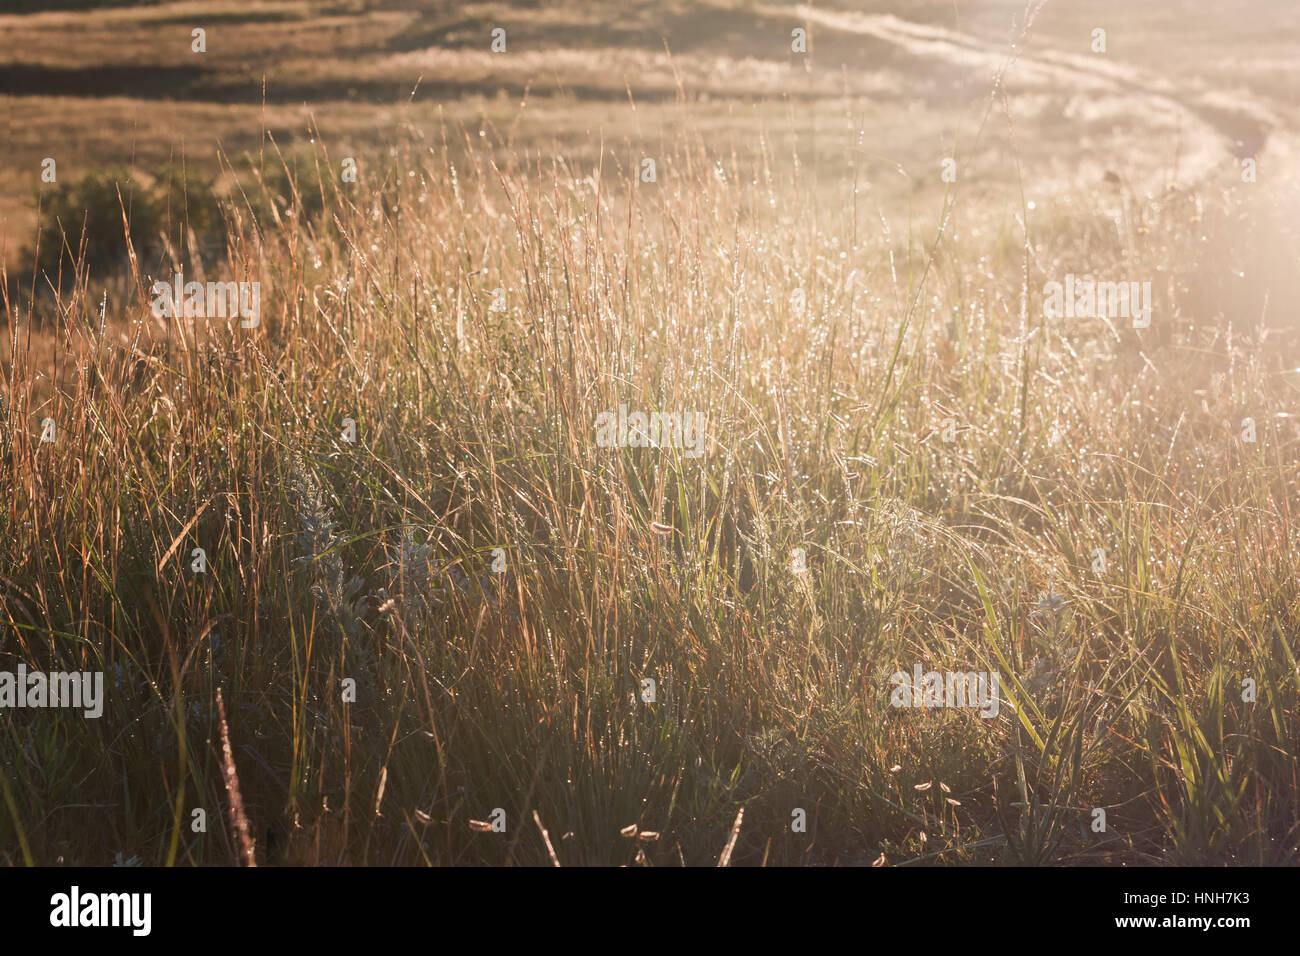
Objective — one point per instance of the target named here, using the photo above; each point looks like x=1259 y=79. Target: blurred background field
x=884 y=85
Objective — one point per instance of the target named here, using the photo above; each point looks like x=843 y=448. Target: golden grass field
x=477 y=612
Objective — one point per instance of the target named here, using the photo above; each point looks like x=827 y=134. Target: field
x=403 y=565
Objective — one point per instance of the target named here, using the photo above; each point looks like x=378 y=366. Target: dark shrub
x=93 y=210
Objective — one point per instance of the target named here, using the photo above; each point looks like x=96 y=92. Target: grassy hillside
x=477 y=605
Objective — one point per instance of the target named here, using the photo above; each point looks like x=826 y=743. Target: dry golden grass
x=522 y=690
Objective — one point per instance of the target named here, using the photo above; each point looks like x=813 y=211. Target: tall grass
x=371 y=561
